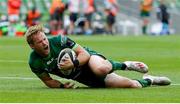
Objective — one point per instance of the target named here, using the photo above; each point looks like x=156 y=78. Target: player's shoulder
x=57 y=39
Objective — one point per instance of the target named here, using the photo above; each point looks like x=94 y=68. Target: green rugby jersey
x=40 y=65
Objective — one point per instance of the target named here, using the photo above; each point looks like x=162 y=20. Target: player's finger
x=69 y=85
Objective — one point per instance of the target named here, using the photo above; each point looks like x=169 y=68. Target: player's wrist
x=76 y=63
x=61 y=86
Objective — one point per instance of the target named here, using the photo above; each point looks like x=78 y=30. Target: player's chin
x=45 y=52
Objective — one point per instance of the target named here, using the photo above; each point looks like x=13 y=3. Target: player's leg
x=115 y=81
x=158 y=80
x=145 y=19
x=73 y=18
x=136 y=66
x=110 y=22
x=144 y=27
x=100 y=66
x=130 y=66
x=145 y=23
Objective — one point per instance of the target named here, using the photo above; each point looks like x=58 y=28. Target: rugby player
x=91 y=68
x=145 y=9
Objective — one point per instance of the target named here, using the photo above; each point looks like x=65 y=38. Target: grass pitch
x=19 y=85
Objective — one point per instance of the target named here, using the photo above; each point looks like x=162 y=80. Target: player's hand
x=66 y=64
x=69 y=85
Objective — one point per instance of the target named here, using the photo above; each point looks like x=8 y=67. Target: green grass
x=160 y=53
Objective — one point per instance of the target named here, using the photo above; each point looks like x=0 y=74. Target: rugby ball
x=64 y=54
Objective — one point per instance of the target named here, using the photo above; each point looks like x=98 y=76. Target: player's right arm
x=52 y=83
x=48 y=81
x=46 y=78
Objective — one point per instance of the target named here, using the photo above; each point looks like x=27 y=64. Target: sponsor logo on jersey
x=50 y=61
x=49 y=70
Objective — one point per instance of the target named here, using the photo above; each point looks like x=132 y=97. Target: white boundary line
x=30 y=78
x=175 y=84
x=13 y=61
x=19 y=78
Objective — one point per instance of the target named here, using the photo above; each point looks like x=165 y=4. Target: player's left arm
x=81 y=59
x=82 y=55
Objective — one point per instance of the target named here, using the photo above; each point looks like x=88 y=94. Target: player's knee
x=102 y=70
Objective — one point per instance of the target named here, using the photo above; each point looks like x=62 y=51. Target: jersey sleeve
x=36 y=66
x=63 y=41
x=40 y=73
x=68 y=43
x=36 y=71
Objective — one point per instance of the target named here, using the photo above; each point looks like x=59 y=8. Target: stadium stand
x=130 y=8
x=129 y=11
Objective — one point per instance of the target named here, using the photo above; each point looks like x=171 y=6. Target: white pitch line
x=19 y=78
x=13 y=61
x=175 y=84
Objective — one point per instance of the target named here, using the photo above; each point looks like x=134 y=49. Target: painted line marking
x=175 y=84
x=13 y=61
x=19 y=78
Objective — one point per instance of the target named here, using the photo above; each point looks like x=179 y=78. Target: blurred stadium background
x=128 y=15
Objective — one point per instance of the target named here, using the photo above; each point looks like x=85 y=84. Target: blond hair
x=33 y=30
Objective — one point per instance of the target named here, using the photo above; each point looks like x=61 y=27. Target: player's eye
x=39 y=42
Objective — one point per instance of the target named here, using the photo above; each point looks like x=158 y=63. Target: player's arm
x=48 y=81
x=52 y=83
x=82 y=55
x=81 y=59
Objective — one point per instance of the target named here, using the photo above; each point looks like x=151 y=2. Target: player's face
x=40 y=44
